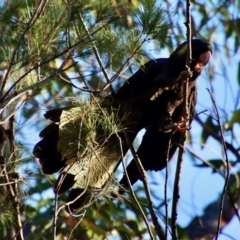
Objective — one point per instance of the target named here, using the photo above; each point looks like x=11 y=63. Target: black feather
x=152 y=98
x=161 y=77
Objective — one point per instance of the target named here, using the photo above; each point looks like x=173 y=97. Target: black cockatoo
x=85 y=151
x=157 y=89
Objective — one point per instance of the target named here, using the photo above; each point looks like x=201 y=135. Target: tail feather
x=46 y=149
x=67 y=147
x=54 y=115
x=52 y=128
x=65 y=182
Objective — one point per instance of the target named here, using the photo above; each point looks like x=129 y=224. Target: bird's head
x=201 y=54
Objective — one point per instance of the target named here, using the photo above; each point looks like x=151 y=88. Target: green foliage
x=216 y=164
x=235 y=118
x=210 y=124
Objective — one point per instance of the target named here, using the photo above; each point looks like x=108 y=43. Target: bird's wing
x=140 y=82
x=46 y=149
x=80 y=146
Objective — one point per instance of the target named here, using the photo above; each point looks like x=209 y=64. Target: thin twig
x=165 y=187
x=13 y=189
x=73 y=85
x=82 y=216
x=95 y=50
x=218 y=138
x=13 y=182
x=39 y=10
x=55 y=217
x=13 y=193
x=176 y=189
x=15 y=95
x=124 y=65
x=225 y=187
x=142 y=172
x=230 y=193
x=131 y=190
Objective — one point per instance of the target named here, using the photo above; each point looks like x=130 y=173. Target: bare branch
x=165 y=188
x=225 y=187
x=95 y=50
x=218 y=138
x=54 y=233
x=132 y=192
x=82 y=216
x=176 y=190
x=157 y=226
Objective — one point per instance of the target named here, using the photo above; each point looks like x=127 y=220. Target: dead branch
x=132 y=192
x=157 y=226
x=225 y=187
x=176 y=189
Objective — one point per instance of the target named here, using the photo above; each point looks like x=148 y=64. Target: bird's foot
x=178 y=126
x=184 y=75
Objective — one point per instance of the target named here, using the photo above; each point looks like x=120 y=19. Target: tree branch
x=39 y=10
x=13 y=189
x=225 y=187
x=176 y=189
x=131 y=190
x=141 y=170
x=218 y=138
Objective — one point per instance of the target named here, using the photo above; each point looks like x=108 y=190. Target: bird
x=86 y=153
x=158 y=82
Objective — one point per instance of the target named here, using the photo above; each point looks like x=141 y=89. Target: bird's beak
x=202 y=61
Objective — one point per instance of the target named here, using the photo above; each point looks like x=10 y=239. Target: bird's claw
x=184 y=75
x=180 y=129
x=178 y=126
